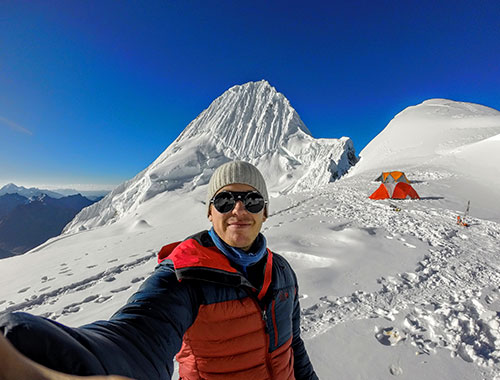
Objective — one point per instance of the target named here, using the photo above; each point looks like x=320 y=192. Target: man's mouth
x=239 y=224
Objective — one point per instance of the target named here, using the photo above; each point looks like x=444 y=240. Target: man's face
x=238 y=227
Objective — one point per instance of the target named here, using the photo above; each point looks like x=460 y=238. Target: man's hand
x=15 y=366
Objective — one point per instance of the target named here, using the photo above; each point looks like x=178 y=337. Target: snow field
x=384 y=293
x=432 y=287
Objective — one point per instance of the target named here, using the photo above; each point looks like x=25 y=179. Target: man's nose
x=239 y=208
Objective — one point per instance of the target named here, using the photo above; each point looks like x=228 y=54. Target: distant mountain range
x=57 y=193
x=28 y=220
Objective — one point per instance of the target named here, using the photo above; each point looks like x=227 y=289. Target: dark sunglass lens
x=254 y=202
x=224 y=202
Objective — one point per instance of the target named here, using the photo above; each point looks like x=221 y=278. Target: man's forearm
x=15 y=366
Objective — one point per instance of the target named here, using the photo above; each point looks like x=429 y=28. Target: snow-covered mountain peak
x=252 y=118
x=428 y=132
x=251 y=122
x=447 y=109
x=12 y=188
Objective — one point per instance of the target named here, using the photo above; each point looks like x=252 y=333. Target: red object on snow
x=400 y=190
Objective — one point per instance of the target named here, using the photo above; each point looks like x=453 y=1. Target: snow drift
x=437 y=129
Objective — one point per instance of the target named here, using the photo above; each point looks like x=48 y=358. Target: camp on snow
x=391 y=177
x=395 y=185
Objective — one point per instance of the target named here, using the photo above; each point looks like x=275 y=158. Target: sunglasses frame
x=239 y=196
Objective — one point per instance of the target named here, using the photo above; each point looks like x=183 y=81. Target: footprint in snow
x=102 y=299
x=395 y=370
x=90 y=298
x=409 y=276
x=122 y=289
x=137 y=279
x=2 y=301
x=47 y=315
x=112 y=260
x=44 y=289
x=23 y=290
x=91 y=266
x=71 y=309
x=410 y=245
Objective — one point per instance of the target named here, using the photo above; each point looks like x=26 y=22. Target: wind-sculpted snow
x=430 y=132
x=252 y=122
x=253 y=119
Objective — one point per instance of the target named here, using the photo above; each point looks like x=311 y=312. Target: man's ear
x=210 y=213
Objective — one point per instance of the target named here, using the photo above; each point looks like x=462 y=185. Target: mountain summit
x=253 y=119
x=251 y=122
x=434 y=130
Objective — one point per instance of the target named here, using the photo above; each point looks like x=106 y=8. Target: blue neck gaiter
x=239 y=256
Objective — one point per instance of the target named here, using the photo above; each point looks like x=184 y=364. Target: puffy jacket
x=195 y=305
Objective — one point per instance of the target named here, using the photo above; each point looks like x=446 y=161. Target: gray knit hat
x=236 y=172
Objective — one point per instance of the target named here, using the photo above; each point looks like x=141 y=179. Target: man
x=220 y=301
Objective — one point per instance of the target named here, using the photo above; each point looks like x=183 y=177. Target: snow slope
x=429 y=131
x=385 y=294
x=252 y=122
x=458 y=142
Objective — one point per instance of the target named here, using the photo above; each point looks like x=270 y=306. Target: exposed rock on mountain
x=26 y=223
x=11 y=188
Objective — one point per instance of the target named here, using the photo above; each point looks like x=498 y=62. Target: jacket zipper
x=264 y=322
x=275 y=325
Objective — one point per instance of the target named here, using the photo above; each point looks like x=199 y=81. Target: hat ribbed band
x=236 y=172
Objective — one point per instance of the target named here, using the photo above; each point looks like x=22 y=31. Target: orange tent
x=394 y=176
x=400 y=190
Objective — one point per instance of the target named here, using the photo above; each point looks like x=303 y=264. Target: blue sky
x=91 y=92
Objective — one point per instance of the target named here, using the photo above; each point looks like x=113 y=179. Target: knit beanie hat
x=236 y=172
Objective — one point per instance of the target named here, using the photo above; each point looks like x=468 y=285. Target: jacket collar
x=194 y=260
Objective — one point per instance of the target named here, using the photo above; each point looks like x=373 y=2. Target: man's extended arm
x=139 y=341
x=15 y=366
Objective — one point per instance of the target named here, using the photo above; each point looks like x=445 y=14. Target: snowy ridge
x=253 y=119
x=427 y=132
x=252 y=122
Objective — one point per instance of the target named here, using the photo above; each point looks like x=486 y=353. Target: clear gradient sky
x=92 y=91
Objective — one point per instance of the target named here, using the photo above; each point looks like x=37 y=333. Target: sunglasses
x=225 y=201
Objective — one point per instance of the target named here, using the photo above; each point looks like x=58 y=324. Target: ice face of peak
x=252 y=122
x=253 y=119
